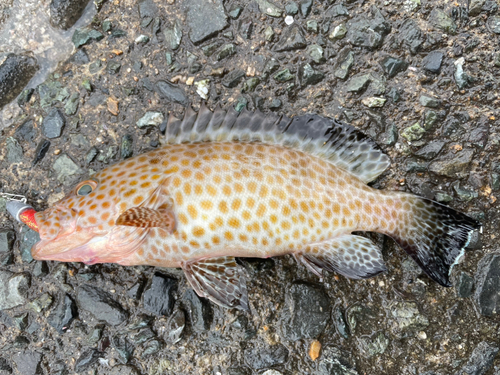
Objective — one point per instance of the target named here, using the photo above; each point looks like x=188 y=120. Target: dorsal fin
x=339 y=143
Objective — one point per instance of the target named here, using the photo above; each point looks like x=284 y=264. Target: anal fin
x=354 y=257
x=219 y=279
x=144 y=217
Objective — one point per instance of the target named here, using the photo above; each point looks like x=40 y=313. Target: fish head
x=78 y=227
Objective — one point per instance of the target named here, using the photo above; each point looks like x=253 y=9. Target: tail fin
x=436 y=237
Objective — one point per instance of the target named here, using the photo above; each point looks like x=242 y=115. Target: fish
x=226 y=184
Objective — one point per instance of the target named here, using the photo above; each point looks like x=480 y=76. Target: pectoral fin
x=355 y=257
x=144 y=217
x=219 y=279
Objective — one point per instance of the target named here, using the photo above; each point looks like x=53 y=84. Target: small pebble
x=288 y=20
x=314 y=349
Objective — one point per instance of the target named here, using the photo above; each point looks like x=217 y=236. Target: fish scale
x=228 y=185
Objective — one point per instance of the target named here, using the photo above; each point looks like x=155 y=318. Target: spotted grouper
x=229 y=185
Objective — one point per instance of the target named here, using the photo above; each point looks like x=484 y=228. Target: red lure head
x=23 y=213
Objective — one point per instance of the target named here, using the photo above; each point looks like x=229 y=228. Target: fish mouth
x=76 y=247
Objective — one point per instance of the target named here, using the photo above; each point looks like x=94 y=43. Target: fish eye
x=84 y=190
x=86 y=187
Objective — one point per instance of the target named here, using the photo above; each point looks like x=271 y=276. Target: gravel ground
x=418 y=76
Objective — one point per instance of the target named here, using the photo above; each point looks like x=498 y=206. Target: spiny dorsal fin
x=339 y=143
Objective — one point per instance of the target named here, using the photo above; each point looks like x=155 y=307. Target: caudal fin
x=435 y=237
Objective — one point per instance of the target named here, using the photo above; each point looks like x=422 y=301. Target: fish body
x=204 y=199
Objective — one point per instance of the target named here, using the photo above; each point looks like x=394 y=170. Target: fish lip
x=60 y=249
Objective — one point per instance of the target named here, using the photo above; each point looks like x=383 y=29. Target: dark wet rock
x=428 y=101
x=71 y=105
x=432 y=62
x=172 y=93
x=430 y=119
x=173 y=36
x=199 y=311
x=264 y=357
x=227 y=50
x=159 y=296
x=123 y=347
x=345 y=61
x=22 y=321
x=410 y=35
x=238 y=371
x=374 y=344
x=148 y=9
x=475 y=7
x=358 y=83
x=52 y=92
x=150 y=118
x=340 y=323
x=66 y=169
x=90 y=156
x=245 y=28
x=63 y=313
x=392 y=65
x=143 y=336
x=430 y=150
x=291 y=8
x=269 y=8
x=41 y=269
x=100 y=304
x=283 y=75
x=442 y=21
x=487 y=280
x=15 y=72
x=481 y=359
x=464 y=285
x=175 y=326
x=80 y=57
x=95 y=67
x=271 y=66
x=462 y=79
x=126 y=149
x=333 y=362
x=464 y=194
x=312 y=26
x=494 y=24
x=7 y=240
x=479 y=135
x=305 y=7
x=13 y=289
x=233 y=78
x=41 y=303
x=87 y=359
x=14 y=150
x=307 y=75
x=106 y=157
x=123 y=370
x=308 y=311
x=209 y=49
x=65 y=13
x=199 y=11
x=25 y=96
x=337 y=10
x=407 y=316
x=250 y=84
x=315 y=51
x=117 y=33
x=26 y=132
x=291 y=39
x=235 y=11
x=275 y=104
x=53 y=124
x=28 y=239
x=453 y=165
x=368 y=32
x=5 y=367
x=113 y=67
x=28 y=362
x=85 y=36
